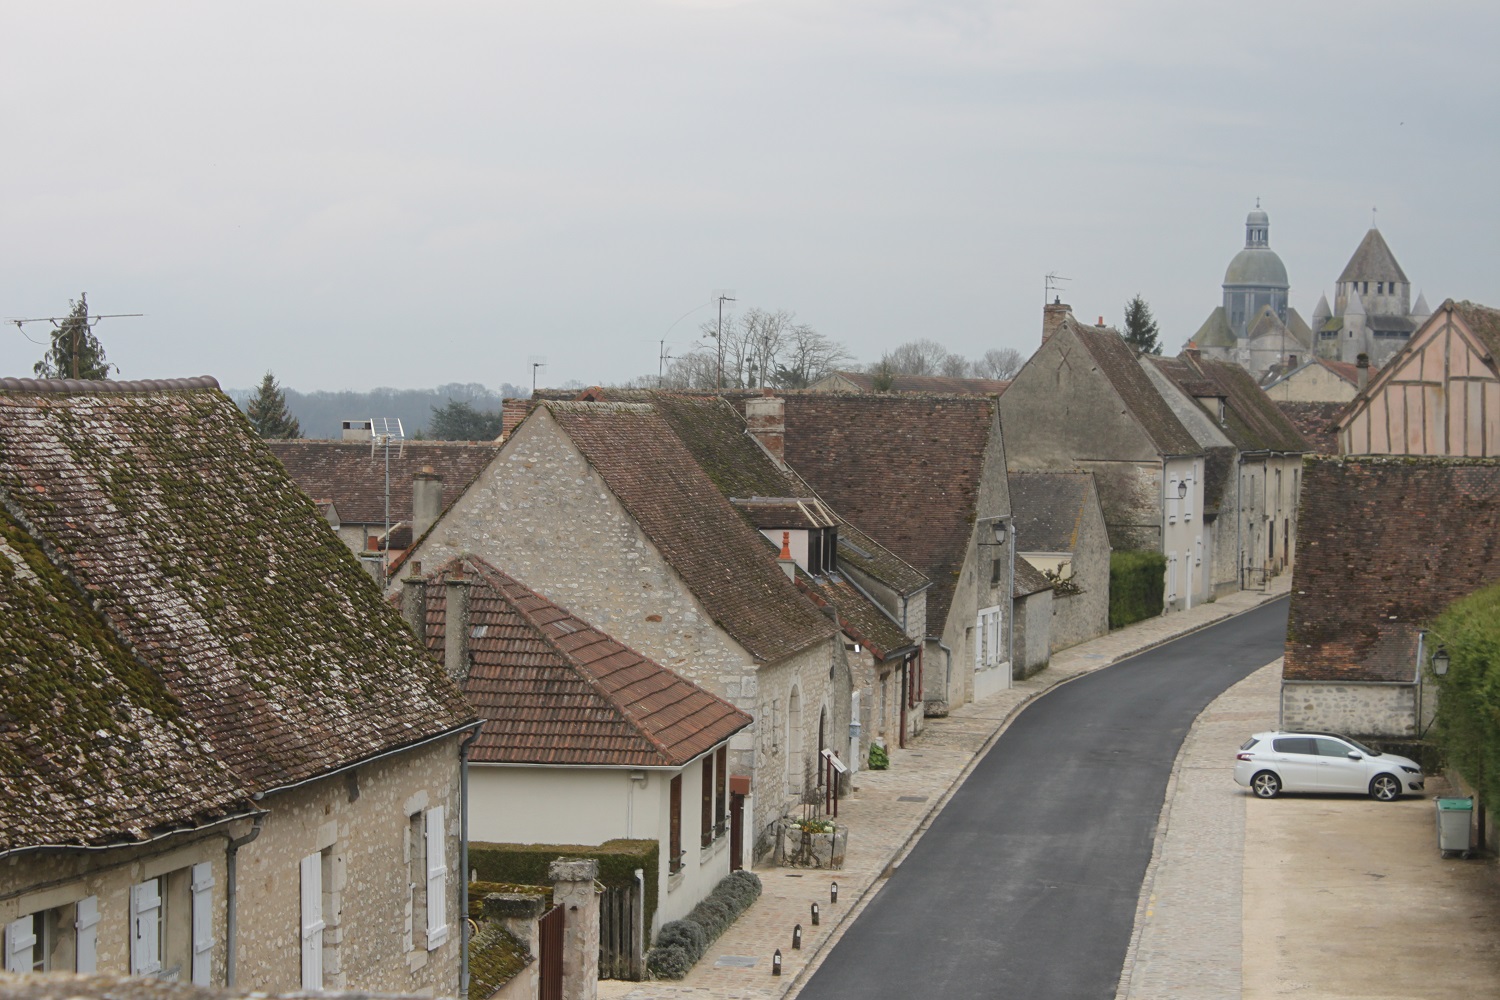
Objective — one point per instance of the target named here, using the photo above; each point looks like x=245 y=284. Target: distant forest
x=322 y=413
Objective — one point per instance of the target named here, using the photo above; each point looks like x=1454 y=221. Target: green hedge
x=526 y=864
x=1467 y=727
x=680 y=943
x=1137 y=583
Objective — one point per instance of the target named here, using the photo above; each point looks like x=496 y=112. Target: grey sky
x=363 y=194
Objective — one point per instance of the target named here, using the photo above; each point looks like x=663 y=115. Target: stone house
x=1439 y=395
x=1250 y=504
x=584 y=739
x=1386 y=544
x=604 y=509
x=873 y=595
x=924 y=475
x=1060 y=530
x=1083 y=401
x=355 y=476
x=229 y=762
x=1318 y=380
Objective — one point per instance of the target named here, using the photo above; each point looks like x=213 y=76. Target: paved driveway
x=1026 y=884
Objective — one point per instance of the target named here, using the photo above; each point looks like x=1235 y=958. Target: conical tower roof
x=1373 y=261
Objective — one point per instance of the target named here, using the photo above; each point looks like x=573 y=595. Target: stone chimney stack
x=1054 y=314
x=766 y=416
x=414 y=602
x=426 y=501
x=456 y=631
x=1362 y=367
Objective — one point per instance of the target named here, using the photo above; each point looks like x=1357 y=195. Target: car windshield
x=1356 y=744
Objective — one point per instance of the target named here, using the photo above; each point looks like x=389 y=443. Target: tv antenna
x=383 y=431
x=721 y=295
x=57 y=321
x=536 y=361
x=1052 y=287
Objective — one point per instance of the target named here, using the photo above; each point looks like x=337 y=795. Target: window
x=987 y=638
x=721 y=797
x=171 y=925
x=60 y=939
x=428 y=878
x=1295 y=744
x=674 y=844
x=706 y=803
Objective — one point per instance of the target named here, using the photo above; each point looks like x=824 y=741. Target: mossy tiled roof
x=205 y=637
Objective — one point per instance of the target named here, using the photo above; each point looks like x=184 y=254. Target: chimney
x=766 y=417
x=1362 y=366
x=426 y=501
x=414 y=602
x=785 y=560
x=456 y=631
x=358 y=430
x=1054 y=314
x=1291 y=362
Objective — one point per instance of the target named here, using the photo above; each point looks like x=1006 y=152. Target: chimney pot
x=765 y=419
x=456 y=632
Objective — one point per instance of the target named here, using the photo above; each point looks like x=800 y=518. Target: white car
x=1271 y=763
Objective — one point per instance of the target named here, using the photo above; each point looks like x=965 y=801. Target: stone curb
x=924 y=822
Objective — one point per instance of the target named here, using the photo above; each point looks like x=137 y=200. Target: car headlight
x=1411 y=770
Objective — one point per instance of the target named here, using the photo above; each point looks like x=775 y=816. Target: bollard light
x=815 y=914
x=833 y=892
x=797 y=937
x=776 y=963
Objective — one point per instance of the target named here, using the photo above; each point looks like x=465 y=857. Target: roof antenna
x=1051 y=287
x=390 y=429
x=536 y=361
x=1373 y=210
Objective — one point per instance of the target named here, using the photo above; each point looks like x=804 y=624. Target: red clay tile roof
x=903 y=468
x=1251 y=419
x=1029 y=580
x=1316 y=422
x=859 y=617
x=1117 y=363
x=1383 y=546
x=1343 y=369
x=352 y=475
x=724 y=561
x=554 y=689
x=233 y=642
x=940 y=384
x=1484 y=321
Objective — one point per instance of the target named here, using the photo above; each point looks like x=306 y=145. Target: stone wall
x=1080 y=617
x=1032 y=646
x=1352 y=709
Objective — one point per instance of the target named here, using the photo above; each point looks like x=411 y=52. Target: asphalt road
x=1026 y=884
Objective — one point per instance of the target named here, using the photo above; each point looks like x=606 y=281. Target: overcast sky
x=363 y=194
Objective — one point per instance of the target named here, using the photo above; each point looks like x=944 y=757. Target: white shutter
x=312 y=922
x=145 y=928
x=203 y=923
x=1171 y=576
x=20 y=938
x=86 y=922
x=1187 y=501
x=1172 y=500
x=437 y=879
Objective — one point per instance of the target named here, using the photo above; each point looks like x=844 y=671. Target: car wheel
x=1385 y=788
x=1266 y=785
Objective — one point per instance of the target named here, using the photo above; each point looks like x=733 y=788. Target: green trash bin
x=1454 y=822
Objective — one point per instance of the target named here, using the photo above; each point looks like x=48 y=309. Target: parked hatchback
x=1271 y=763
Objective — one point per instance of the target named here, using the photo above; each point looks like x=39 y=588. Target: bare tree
x=999 y=363
x=758 y=347
x=917 y=357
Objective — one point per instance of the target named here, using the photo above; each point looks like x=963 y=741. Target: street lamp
x=1440 y=661
x=1182 y=489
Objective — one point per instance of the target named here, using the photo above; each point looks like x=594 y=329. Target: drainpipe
x=231 y=893
x=463 y=858
x=1011 y=645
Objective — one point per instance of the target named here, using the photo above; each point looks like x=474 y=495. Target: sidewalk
x=885 y=814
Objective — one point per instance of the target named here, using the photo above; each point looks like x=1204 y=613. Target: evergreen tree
x=1140 y=327
x=268 y=413
x=459 y=421
x=75 y=351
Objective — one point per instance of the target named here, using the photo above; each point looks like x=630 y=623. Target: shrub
x=879 y=759
x=1467 y=727
x=1137 y=583
x=680 y=943
x=526 y=864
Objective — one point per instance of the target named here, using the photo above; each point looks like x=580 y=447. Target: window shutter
x=674 y=847
x=145 y=928
x=312 y=922
x=706 y=803
x=1172 y=500
x=203 y=923
x=437 y=880
x=86 y=923
x=20 y=938
x=721 y=775
x=1187 y=501
x=1171 y=576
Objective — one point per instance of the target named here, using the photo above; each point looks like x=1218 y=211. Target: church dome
x=1258 y=218
x=1256 y=266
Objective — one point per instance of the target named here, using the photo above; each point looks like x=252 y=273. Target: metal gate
x=622 y=948
x=550 y=953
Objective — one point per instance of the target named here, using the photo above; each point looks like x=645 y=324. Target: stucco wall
x=1312 y=384
x=1033 y=630
x=1353 y=709
x=367 y=902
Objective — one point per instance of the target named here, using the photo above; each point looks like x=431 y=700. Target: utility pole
x=723 y=297
x=89 y=322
